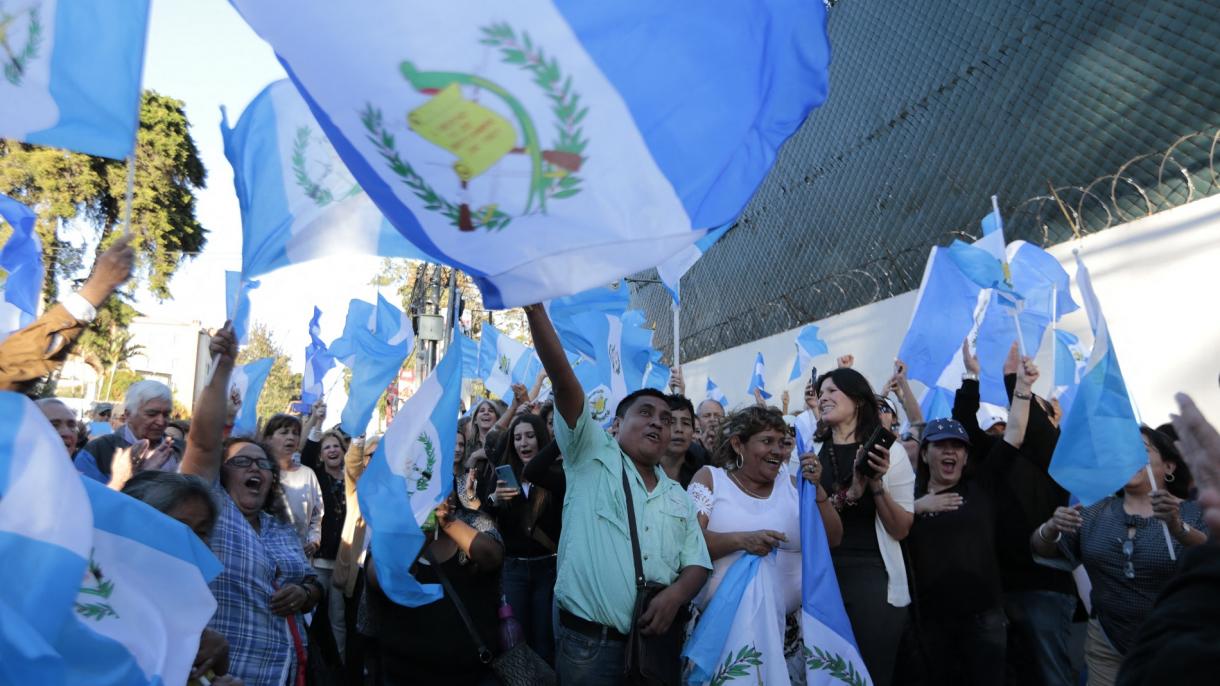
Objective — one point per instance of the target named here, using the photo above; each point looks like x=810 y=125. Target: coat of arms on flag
x=492 y=133
x=20 y=41
x=318 y=170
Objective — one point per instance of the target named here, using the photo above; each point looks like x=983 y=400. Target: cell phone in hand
x=300 y=408
x=504 y=473
x=881 y=437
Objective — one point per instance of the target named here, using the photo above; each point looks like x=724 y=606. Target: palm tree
x=115 y=352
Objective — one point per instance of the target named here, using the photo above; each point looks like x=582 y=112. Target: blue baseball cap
x=944 y=430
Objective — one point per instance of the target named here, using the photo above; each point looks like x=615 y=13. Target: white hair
x=141 y=392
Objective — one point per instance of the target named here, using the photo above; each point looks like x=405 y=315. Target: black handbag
x=649 y=660
x=517 y=666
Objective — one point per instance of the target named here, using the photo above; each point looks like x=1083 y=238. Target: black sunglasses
x=243 y=461
x=1128 y=551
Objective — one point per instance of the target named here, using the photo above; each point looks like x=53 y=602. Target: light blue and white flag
x=742 y=628
x=656 y=376
x=375 y=342
x=71 y=73
x=672 y=270
x=1070 y=359
x=132 y=626
x=470 y=355
x=947 y=308
x=758 y=380
x=832 y=655
x=46 y=532
x=612 y=300
x=409 y=475
x=237 y=304
x=318 y=361
x=550 y=147
x=245 y=387
x=1099 y=446
x=808 y=346
x=714 y=393
x=505 y=361
x=21 y=269
x=298 y=201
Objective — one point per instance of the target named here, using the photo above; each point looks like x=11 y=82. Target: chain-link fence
x=1079 y=114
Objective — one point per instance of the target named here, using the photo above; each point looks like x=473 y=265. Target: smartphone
x=881 y=437
x=300 y=408
x=505 y=473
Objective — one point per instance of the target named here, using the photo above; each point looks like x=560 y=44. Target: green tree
x=65 y=187
x=282 y=385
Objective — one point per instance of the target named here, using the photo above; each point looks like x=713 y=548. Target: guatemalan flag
x=1070 y=360
x=830 y=650
x=758 y=379
x=673 y=269
x=102 y=611
x=375 y=342
x=144 y=600
x=808 y=346
x=1099 y=446
x=46 y=532
x=21 y=269
x=504 y=361
x=298 y=201
x=612 y=300
x=714 y=393
x=409 y=475
x=245 y=387
x=318 y=361
x=70 y=73
x=546 y=147
x=237 y=303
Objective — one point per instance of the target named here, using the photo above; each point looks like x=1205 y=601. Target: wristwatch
x=970 y=376
x=1184 y=531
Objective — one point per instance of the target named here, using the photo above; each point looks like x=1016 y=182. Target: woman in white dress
x=749 y=505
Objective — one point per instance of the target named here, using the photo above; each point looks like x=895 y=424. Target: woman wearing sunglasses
x=267 y=584
x=1122 y=546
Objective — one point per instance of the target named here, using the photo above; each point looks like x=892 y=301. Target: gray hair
x=141 y=392
x=165 y=490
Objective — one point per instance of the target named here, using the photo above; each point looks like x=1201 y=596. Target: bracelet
x=1042 y=534
x=1022 y=396
x=878 y=492
x=815 y=497
x=969 y=376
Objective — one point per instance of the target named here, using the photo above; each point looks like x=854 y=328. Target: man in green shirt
x=595 y=588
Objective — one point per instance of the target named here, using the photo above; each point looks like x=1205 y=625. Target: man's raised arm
x=569 y=396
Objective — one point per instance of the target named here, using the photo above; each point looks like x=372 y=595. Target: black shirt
x=954 y=553
x=1028 y=497
x=859 y=520
x=430 y=644
x=334 y=501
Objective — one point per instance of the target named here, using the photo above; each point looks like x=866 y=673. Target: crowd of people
x=958 y=559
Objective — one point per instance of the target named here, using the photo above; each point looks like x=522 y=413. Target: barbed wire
x=1142 y=186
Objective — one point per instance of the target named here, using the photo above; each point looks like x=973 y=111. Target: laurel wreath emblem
x=561 y=160
x=314 y=190
x=14 y=68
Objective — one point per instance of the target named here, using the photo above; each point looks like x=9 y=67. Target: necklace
x=745 y=488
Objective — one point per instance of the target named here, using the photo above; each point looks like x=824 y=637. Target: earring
x=740 y=462
x=1169 y=477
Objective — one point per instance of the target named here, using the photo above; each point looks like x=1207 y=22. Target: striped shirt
x=256 y=563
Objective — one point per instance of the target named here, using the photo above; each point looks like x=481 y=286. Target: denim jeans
x=586 y=661
x=1040 y=628
x=966 y=650
x=529 y=586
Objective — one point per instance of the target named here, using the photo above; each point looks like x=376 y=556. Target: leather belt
x=591 y=629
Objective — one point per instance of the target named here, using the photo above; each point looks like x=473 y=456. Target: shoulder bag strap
x=635 y=537
x=540 y=498
x=485 y=655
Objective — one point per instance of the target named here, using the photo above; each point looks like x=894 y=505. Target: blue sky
x=203 y=53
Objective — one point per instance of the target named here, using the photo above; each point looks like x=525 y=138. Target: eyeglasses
x=243 y=461
x=1128 y=551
